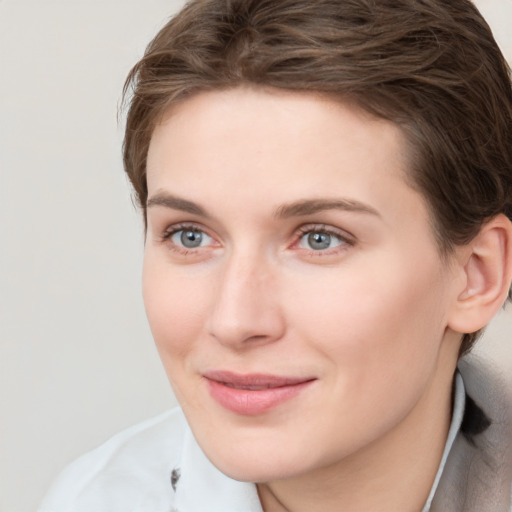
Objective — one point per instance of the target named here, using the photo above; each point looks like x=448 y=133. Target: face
x=291 y=279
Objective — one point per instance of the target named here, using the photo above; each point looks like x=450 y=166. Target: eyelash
x=345 y=239
x=176 y=228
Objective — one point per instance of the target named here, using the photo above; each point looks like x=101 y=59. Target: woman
x=326 y=189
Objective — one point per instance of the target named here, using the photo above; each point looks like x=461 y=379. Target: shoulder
x=131 y=471
x=478 y=473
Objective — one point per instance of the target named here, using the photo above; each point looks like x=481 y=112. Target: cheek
x=378 y=336
x=175 y=307
x=370 y=317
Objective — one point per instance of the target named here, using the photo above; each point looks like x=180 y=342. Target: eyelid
x=346 y=238
x=325 y=228
x=172 y=229
x=166 y=238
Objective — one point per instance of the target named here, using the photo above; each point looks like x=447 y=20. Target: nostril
x=249 y=328
x=245 y=307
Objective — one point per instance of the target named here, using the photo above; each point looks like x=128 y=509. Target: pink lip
x=253 y=394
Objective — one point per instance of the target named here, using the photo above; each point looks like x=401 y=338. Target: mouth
x=253 y=394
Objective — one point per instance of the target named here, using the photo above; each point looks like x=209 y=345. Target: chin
x=262 y=458
x=255 y=471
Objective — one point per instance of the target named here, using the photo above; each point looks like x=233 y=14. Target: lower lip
x=252 y=402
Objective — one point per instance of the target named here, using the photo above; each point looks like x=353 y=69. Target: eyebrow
x=310 y=206
x=298 y=208
x=176 y=203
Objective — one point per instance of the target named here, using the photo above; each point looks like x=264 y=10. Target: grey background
x=77 y=362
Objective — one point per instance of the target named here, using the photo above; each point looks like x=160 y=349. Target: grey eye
x=319 y=241
x=190 y=238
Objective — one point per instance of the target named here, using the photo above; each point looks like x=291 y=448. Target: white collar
x=459 y=404
x=202 y=487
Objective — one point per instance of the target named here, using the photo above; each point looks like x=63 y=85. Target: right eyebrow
x=312 y=206
x=176 y=203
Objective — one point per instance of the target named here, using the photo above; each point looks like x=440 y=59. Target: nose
x=247 y=309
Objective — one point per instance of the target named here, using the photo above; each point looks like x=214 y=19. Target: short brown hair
x=430 y=66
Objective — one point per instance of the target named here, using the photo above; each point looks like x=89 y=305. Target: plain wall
x=77 y=361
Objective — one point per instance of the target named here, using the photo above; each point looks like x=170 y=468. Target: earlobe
x=487 y=269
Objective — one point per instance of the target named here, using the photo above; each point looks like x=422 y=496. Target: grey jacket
x=478 y=473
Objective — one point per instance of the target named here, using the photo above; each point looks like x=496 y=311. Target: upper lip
x=254 y=380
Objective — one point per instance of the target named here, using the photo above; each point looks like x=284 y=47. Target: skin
x=368 y=317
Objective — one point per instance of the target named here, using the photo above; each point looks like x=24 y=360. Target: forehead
x=256 y=125
x=252 y=150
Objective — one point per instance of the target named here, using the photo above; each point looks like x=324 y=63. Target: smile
x=253 y=394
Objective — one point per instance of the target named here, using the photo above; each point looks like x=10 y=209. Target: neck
x=395 y=472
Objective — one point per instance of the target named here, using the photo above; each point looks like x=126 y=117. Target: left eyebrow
x=176 y=203
x=310 y=206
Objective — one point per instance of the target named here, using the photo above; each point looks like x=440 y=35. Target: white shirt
x=157 y=466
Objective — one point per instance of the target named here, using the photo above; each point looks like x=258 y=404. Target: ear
x=487 y=270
